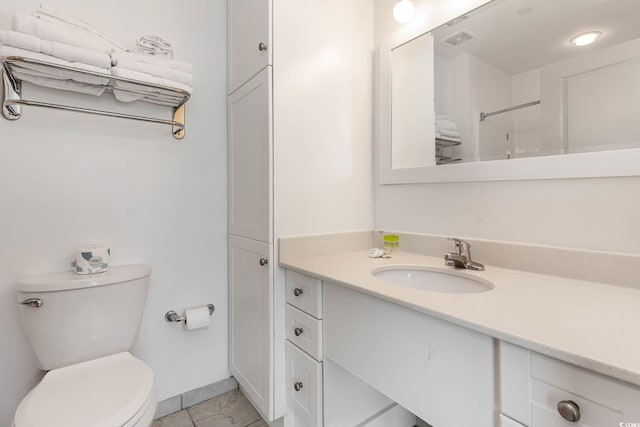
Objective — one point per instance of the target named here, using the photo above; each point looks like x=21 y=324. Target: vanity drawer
x=304 y=331
x=545 y=413
x=586 y=384
x=304 y=387
x=305 y=293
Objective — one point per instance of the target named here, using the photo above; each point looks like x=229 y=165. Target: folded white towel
x=154 y=45
x=147 y=78
x=160 y=61
x=126 y=96
x=151 y=40
x=449 y=133
x=52 y=15
x=25 y=23
x=446 y=124
x=59 y=50
x=446 y=138
x=158 y=71
x=21 y=40
x=142 y=91
x=128 y=92
x=55 y=83
x=153 y=52
x=442 y=117
x=56 y=72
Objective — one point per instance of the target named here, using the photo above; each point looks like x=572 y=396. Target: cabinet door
x=249 y=39
x=515 y=382
x=304 y=387
x=440 y=372
x=396 y=416
x=508 y=422
x=251 y=320
x=250 y=154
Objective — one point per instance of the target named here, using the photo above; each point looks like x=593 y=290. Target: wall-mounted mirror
x=515 y=82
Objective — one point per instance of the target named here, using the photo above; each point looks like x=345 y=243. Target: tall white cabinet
x=249 y=40
x=250 y=159
x=251 y=315
x=250 y=154
x=299 y=112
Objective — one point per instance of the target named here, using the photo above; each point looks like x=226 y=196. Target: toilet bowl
x=111 y=391
x=80 y=329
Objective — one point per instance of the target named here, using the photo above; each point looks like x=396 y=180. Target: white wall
x=581 y=213
x=454 y=97
x=323 y=85
x=68 y=180
x=413 y=115
x=526 y=122
x=591 y=121
x=322 y=107
x=492 y=93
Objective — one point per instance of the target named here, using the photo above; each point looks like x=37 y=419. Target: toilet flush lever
x=33 y=302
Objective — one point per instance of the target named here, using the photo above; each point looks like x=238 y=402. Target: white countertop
x=588 y=324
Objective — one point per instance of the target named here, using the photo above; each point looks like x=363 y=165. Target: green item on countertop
x=391 y=243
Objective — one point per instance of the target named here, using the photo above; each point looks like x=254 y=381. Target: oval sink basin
x=426 y=279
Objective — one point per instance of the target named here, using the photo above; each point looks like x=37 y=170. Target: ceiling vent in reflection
x=458 y=38
x=456 y=21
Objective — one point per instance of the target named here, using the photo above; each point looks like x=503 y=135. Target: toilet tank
x=82 y=317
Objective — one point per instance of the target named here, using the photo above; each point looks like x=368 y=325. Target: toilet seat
x=113 y=391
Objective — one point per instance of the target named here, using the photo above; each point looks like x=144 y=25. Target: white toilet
x=80 y=329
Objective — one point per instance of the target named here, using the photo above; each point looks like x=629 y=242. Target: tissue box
x=91 y=260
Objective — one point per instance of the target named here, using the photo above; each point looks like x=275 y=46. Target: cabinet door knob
x=264 y=261
x=569 y=410
x=298 y=331
x=262 y=47
x=297 y=292
x=297 y=386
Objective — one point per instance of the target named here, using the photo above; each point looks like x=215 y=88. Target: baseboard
x=193 y=397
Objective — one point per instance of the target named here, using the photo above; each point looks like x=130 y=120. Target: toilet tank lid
x=67 y=280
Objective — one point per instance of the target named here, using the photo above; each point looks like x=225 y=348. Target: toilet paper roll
x=197 y=318
x=91 y=259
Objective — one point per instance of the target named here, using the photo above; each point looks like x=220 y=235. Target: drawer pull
x=297 y=386
x=569 y=410
x=263 y=261
x=298 y=331
x=297 y=292
x=262 y=47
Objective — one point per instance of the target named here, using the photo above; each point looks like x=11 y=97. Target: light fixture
x=403 y=11
x=586 y=38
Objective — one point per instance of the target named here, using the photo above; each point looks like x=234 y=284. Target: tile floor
x=228 y=410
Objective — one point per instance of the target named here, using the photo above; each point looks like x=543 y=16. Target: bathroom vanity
x=534 y=350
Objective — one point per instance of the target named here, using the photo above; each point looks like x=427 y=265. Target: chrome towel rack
x=12 y=96
x=483 y=116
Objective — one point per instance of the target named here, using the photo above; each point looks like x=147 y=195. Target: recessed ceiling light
x=586 y=38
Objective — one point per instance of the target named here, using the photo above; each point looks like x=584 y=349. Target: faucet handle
x=462 y=257
x=455 y=239
x=462 y=247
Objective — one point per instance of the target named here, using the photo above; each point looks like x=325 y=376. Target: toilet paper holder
x=172 y=316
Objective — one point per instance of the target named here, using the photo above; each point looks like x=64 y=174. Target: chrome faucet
x=462 y=256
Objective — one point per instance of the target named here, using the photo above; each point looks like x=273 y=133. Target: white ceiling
x=520 y=35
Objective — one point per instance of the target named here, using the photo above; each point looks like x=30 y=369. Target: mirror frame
x=598 y=164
